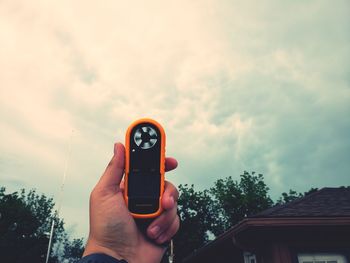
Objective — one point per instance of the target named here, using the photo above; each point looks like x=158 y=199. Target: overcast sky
x=238 y=85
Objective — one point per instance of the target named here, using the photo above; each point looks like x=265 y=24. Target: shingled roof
x=327 y=202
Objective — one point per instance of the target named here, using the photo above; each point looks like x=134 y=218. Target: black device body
x=145 y=164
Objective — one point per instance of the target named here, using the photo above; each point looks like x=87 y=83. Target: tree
x=288 y=197
x=312 y=190
x=73 y=250
x=235 y=200
x=197 y=216
x=25 y=222
x=211 y=212
x=293 y=195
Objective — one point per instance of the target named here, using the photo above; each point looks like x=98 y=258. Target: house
x=312 y=229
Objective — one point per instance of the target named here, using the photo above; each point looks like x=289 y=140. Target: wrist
x=93 y=247
x=148 y=253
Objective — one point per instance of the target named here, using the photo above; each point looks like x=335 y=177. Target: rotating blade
x=145 y=137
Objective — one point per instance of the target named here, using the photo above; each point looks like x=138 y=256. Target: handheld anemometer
x=144 y=168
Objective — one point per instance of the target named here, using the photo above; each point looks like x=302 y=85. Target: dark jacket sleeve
x=100 y=258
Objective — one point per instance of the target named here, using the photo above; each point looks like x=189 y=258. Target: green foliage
x=211 y=212
x=289 y=197
x=73 y=250
x=234 y=200
x=312 y=190
x=293 y=195
x=25 y=223
x=197 y=216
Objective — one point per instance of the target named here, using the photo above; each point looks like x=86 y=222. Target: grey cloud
x=262 y=87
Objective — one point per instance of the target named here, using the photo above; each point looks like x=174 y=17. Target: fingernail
x=155 y=231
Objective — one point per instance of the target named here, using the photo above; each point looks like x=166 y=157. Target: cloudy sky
x=238 y=85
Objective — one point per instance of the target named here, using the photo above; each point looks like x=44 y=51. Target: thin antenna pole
x=50 y=241
x=59 y=204
x=171 y=257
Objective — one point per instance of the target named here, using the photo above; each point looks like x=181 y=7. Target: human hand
x=112 y=228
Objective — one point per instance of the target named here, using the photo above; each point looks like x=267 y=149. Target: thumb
x=115 y=169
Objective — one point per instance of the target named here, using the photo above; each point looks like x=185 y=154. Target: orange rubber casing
x=162 y=164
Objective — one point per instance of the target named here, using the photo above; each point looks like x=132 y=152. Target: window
x=321 y=258
x=249 y=257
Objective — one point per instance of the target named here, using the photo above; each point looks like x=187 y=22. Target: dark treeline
x=26 y=217
x=25 y=225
